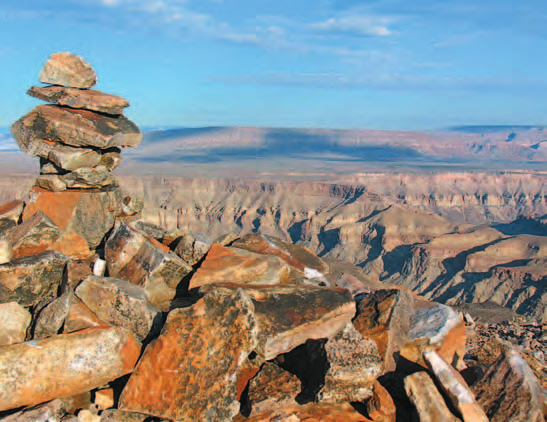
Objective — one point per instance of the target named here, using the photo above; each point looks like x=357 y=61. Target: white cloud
x=357 y=25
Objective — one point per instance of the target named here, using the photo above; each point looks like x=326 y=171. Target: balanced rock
x=88 y=99
x=83 y=215
x=38 y=371
x=32 y=279
x=119 y=302
x=76 y=127
x=67 y=69
x=239 y=266
x=14 y=322
x=143 y=261
x=509 y=391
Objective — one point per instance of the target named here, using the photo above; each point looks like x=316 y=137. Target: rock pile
x=78 y=137
x=152 y=325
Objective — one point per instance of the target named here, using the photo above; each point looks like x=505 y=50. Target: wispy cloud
x=355 y=25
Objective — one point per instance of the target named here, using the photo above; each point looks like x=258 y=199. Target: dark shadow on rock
x=310 y=364
x=522 y=225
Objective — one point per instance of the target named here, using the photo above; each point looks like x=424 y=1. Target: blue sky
x=384 y=64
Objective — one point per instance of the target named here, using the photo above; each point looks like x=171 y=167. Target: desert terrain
x=459 y=216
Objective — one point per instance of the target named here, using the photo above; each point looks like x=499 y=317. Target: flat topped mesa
x=78 y=137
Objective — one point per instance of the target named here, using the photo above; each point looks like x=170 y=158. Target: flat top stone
x=67 y=69
x=88 y=99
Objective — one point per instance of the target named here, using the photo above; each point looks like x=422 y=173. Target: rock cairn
x=78 y=137
x=104 y=318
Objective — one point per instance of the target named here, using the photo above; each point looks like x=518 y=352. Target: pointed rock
x=79 y=128
x=353 y=366
x=38 y=371
x=429 y=403
x=29 y=280
x=301 y=259
x=14 y=322
x=198 y=355
x=119 y=302
x=88 y=99
x=88 y=215
x=239 y=266
x=454 y=387
x=192 y=248
x=67 y=69
x=509 y=391
x=272 y=388
x=143 y=261
x=34 y=236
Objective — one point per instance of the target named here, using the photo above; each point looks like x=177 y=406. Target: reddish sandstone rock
x=119 y=302
x=272 y=388
x=68 y=70
x=239 y=267
x=353 y=366
x=12 y=210
x=38 y=371
x=132 y=255
x=79 y=128
x=380 y=406
x=14 y=322
x=401 y=323
x=509 y=391
x=298 y=257
x=76 y=98
x=199 y=354
x=34 y=236
x=77 y=270
x=324 y=412
x=426 y=398
x=78 y=214
x=104 y=399
x=454 y=388
x=29 y=280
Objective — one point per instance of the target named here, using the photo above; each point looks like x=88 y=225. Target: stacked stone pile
x=78 y=137
x=108 y=319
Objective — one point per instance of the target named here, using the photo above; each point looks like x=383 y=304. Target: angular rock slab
x=354 y=365
x=51 y=182
x=145 y=262
x=79 y=214
x=29 y=280
x=380 y=407
x=239 y=266
x=89 y=178
x=34 y=236
x=298 y=257
x=14 y=322
x=75 y=127
x=454 y=387
x=115 y=415
x=61 y=366
x=68 y=70
x=510 y=391
x=76 y=98
x=273 y=388
x=119 y=302
x=427 y=400
x=191 y=371
x=52 y=411
x=192 y=247
x=6 y=251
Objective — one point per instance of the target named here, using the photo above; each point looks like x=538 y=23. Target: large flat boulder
x=68 y=70
x=37 y=371
x=87 y=215
x=89 y=99
x=192 y=370
x=510 y=391
x=75 y=127
x=132 y=255
x=32 y=279
x=239 y=266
